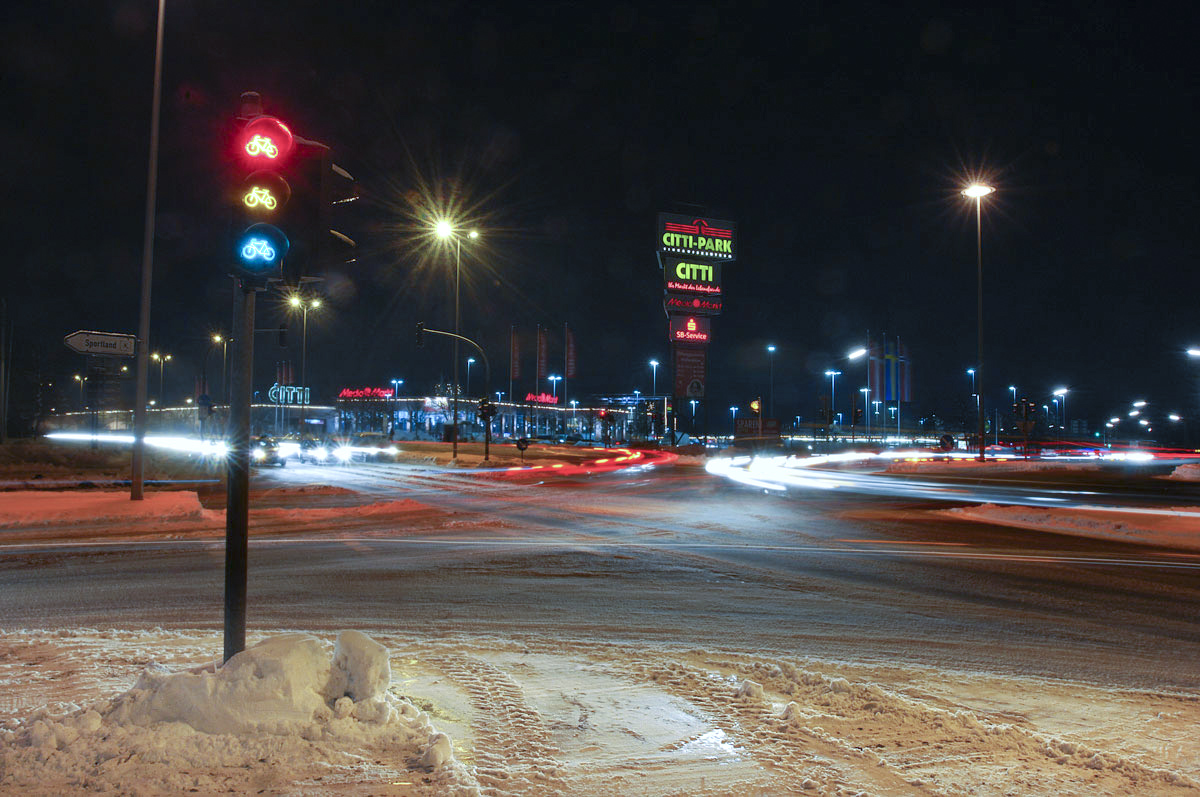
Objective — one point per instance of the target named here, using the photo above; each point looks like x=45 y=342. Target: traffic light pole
x=487 y=371
x=237 y=505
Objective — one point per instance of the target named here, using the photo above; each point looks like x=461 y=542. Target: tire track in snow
x=513 y=752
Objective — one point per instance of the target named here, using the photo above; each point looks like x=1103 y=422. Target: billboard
x=695 y=305
x=692 y=236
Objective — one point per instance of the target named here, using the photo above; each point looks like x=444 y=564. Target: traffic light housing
x=420 y=334
x=857 y=416
x=487 y=410
x=282 y=193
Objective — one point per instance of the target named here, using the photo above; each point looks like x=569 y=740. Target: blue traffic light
x=260 y=250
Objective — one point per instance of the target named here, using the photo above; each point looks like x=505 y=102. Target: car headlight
x=258 y=453
x=320 y=452
x=344 y=453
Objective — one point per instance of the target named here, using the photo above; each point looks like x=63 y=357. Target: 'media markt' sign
x=690 y=236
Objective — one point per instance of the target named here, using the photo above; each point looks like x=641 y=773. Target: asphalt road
x=672 y=557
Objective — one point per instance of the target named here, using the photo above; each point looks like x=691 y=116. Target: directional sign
x=113 y=344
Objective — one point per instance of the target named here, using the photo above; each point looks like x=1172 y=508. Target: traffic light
x=283 y=336
x=857 y=416
x=420 y=333
x=264 y=152
x=283 y=193
x=487 y=410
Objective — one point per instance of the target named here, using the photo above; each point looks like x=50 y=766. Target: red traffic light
x=265 y=140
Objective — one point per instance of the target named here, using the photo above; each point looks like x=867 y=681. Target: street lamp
x=971 y=373
x=396 y=383
x=81 y=380
x=470 y=362
x=554 y=380
x=224 y=341
x=771 y=385
x=733 y=418
x=445 y=230
x=161 y=359
x=1062 y=393
x=978 y=191
x=297 y=301
x=1193 y=352
x=866 y=391
x=693 y=402
x=833 y=375
x=654 y=378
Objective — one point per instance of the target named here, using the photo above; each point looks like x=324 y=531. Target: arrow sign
x=114 y=344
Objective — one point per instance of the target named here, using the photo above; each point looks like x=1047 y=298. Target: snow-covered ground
x=1188 y=473
x=123 y=712
x=1174 y=527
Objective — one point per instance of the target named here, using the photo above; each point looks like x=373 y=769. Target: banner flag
x=890 y=372
x=543 y=356
x=514 y=355
x=570 y=344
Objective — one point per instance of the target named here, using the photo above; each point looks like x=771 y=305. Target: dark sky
x=837 y=137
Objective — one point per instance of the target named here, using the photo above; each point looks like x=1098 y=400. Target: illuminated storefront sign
x=366 y=392
x=713 y=239
x=287 y=394
x=702 y=305
x=541 y=398
x=690 y=329
x=689 y=276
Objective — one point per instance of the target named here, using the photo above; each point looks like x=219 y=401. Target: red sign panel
x=541 y=398
x=366 y=392
x=690 y=329
x=699 y=305
x=691 y=364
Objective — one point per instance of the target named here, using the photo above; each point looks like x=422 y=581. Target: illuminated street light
x=161 y=359
x=554 y=380
x=1134 y=413
x=470 y=362
x=866 y=391
x=771 y=383
x=298 y=302
x=1193 y=352
x=654 y=378
x=1139 y=404
x=1062 y=393
x=978 y=191
x=80 y=380
x=444 y=229
x=833 y=375
x=1174 y=417
x=854 y=355
x=733 y=417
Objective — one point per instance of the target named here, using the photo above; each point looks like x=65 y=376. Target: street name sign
x=113 y=344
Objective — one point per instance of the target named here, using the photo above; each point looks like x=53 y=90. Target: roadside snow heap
x=279 y=714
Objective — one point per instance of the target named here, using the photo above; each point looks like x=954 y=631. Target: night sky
x=836 y=136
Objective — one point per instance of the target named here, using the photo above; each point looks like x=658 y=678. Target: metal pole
x=457 y=268
x=237 y=506
x=143 y=356
x=979 y=311
x=303 y=366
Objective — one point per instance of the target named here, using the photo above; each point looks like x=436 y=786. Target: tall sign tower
x=691 y=252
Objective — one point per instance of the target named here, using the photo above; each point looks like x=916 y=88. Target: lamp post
x=866 y=391
x=224 y=341
x=771 y=384
x=297 y=301
x=1062 y=393
x=733 y=418
x=554 y=380
x=978 y=191
x=470 y=362
x=445 y=230
x=81 y=380
x=833 y=375
x=693 y=402
x=396 y=383
x=654 y=378
x=161 y=359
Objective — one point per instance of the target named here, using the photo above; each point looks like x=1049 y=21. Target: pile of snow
x=958 y=465
x=40 y=508
x=281 y=713
x=1175 y=527
x=1187 y=473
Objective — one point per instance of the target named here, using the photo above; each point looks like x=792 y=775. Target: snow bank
x=40 y=508
x=1176 y=527
x=959 y=465
x=1187 y=473
x=281 y=713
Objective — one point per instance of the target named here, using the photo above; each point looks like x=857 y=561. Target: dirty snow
x=402 y=714
x=276 y=715
x=44 y=507
x=1188 y=473
x=1176 y=527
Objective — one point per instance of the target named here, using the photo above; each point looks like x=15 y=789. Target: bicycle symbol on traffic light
x=261 y=145
x=259 y=196
x=258 y=249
